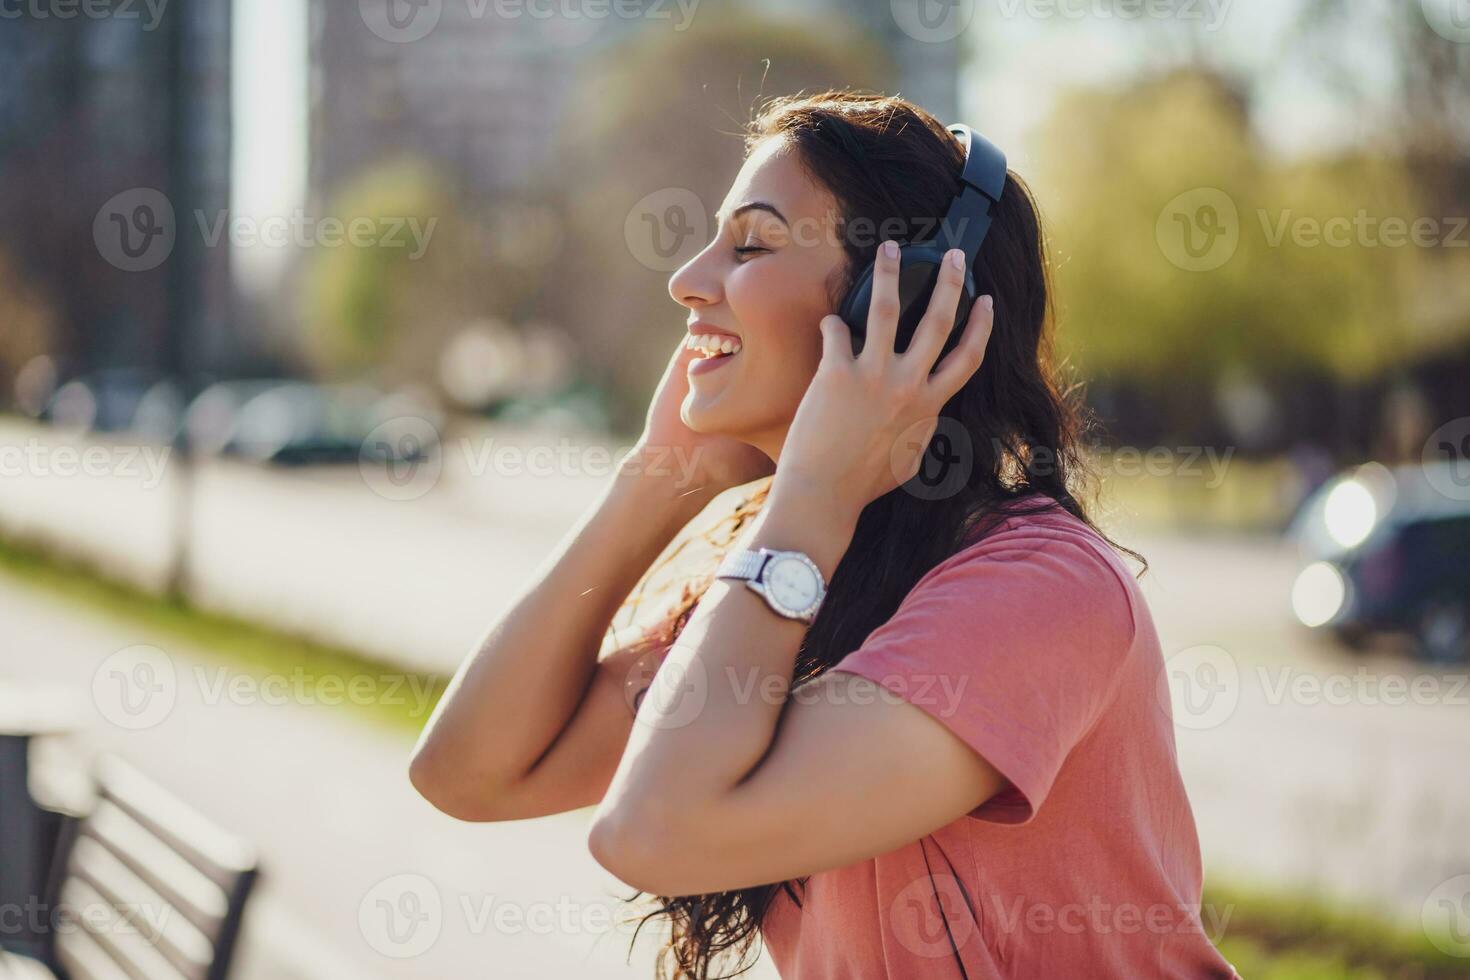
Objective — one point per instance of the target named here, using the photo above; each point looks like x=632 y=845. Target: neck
x=769 y=442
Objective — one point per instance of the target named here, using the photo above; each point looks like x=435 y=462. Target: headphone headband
x=981 y=184
x=985 y=164
x=964 y=226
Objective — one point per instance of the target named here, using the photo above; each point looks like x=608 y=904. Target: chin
x=693 y=417
x=702 y=422
x=706 y=419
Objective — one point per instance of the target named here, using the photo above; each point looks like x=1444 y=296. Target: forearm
x=514 y=694
x=737 y=656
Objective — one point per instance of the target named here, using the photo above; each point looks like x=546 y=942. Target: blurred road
x=404 y=566
x=1306 y=766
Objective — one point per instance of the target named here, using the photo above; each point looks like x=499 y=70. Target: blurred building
x=479 y=95
x=110 y=112
x=924 y=52
x=483 y=95
x=37 y=75
x=201 y=178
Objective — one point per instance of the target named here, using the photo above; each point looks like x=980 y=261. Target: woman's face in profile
x=765 y=278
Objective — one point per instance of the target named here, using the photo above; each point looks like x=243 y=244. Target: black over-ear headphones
x=964 y=226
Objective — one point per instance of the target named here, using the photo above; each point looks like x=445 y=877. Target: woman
x=961 y=767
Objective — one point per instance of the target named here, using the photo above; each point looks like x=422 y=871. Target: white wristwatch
x=789 y=581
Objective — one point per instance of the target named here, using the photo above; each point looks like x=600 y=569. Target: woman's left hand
x=864 y=423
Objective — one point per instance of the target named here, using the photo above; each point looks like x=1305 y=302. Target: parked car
x=1388 y=551
x=288 y=422
x=118 y=400
x=210 y=419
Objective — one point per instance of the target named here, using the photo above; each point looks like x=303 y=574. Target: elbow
x=626 y=851
x=450 y=788
x=641 y=849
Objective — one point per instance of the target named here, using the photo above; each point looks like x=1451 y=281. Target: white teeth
x=713 y=343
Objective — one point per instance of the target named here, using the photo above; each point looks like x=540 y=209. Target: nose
x=698 y=282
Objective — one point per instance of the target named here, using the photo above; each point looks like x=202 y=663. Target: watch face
x=791 y=582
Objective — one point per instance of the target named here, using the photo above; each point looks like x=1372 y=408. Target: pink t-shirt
x=1035 y=646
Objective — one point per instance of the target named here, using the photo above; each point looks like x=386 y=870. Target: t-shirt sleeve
x=1016 y=644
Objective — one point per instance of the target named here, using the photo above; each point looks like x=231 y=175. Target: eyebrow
x=757 y=206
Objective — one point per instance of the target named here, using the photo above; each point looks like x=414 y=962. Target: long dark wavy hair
x=886 y=160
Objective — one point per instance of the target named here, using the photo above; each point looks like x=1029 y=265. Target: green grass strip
x=328 y=675
x=1280 y=934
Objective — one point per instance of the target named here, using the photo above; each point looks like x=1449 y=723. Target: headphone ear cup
x=918 y=271
x=916 y=285
x=854 y=311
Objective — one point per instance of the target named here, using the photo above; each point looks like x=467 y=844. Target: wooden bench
x=142 y=887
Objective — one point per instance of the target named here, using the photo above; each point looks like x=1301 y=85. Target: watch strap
x=744 y=564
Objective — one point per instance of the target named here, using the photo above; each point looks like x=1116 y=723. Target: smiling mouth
x=713 y=346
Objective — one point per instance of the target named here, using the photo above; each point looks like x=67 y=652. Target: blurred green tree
x=1186 y=253
x=445 y=259
x=1423 y=116
x=351 y=293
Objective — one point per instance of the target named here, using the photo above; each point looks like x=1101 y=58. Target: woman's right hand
x=711 y=463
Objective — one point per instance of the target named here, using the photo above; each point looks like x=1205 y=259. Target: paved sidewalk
x=1308 y=766
x=362 y=878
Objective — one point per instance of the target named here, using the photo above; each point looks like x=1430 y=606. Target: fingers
x=933 y=330
x=836 y=339
x=678 y=360
x=883 y=308
x=960 y=364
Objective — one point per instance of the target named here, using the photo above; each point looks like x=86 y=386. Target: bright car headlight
x=1319 y=594
x=1351 y=512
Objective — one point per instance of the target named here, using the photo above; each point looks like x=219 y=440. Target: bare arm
x=532 y=723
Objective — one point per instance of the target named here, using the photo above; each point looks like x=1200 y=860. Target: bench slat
x=188 y=949
x=83 y=959
x=100 y=935
x=150 y=888
x=218 y=854
x=181 y=884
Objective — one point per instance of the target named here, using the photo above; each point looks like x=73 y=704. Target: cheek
x=777 y=311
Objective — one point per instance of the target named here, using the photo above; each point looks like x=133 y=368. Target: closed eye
x=745 y=250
